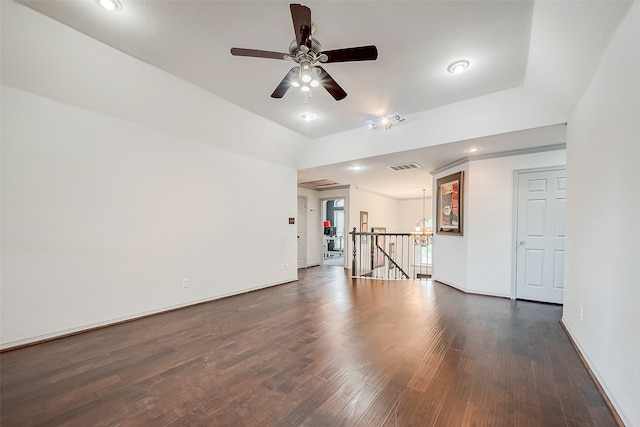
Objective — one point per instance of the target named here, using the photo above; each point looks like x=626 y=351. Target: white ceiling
x=507 y=42
x=374 y=174
x=415 y=40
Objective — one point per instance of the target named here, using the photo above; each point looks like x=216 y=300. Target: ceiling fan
x=307 y=52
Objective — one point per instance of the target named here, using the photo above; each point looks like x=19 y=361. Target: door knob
x=521 y=242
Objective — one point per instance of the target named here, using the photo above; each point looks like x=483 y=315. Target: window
x=338 y=220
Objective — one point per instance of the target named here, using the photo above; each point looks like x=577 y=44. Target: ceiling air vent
x=404 y=166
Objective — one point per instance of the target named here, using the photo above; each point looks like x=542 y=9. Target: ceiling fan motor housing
x=316 y=47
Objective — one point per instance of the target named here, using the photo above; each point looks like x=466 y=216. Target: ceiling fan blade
x=284 y=85
x=331 y=85
x=361 y=53
x=254 y=53
x=301 y=17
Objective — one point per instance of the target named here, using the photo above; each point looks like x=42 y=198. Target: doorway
x=333 y=240
x=540 y=235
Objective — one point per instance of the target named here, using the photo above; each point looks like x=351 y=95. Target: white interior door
x=302 y=232
x=540 y=235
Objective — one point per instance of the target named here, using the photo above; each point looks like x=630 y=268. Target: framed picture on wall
x=364 y=222
x=449 y=210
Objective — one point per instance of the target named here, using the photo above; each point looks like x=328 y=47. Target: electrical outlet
x=185 y=283
x=580 y=312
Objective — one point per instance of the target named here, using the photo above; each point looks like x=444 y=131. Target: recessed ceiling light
x=472 y=149
x=307 y=117
x=356 y=168
x=112 y=5
x=458 y=66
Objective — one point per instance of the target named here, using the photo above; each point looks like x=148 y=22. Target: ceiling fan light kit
x=306 y=51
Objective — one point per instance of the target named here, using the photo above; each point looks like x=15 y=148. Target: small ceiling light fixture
x=472 y=149
x=458 y=67
x=111 y=5
x=385 y=122
x=356 y=168
x=307 y=117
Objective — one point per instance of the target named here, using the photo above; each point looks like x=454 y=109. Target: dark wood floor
x=322 y=351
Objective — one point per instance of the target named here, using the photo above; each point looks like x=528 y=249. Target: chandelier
x=422 y=235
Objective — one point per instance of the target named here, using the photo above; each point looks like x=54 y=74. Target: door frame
x=514 y=220
x=302 y=227
x=345 y=231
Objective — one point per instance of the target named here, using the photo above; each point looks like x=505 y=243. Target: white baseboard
x=114 y=321
x=470 y=291
x=607 y=395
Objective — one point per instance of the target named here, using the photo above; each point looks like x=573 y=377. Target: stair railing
x=389 y=256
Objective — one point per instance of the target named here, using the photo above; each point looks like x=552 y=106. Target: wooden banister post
x=353 y=261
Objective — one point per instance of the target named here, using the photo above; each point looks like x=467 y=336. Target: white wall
x=383 y=211
x=102 y=219
x=450 y=252
x=117 y=184
x=47 y=58
x=410 y=212
x=480 y=260
x=490 y=219
x=601 y=271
